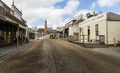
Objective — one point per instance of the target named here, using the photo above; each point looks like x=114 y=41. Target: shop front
x=7 y=32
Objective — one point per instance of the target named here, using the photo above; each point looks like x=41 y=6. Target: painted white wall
x=113 y=31
x=100 y=20
x=110 y=29
x=70 y=31
x=102 y=30
x=75 y=28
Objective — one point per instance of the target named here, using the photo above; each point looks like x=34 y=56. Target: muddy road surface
x=57 y=56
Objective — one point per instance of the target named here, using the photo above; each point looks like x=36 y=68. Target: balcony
x=9 y=14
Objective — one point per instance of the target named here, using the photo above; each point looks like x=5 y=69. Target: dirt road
x=57 y=56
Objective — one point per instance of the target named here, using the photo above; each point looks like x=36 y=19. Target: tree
x=91 y=14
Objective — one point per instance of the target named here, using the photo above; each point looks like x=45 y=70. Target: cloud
x=45 y=9
x=71 y=6
x=107 y=3
x=104 y=3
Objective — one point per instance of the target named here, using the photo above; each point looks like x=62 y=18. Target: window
x=88 y=33
x=97 y=30
x=88 y=30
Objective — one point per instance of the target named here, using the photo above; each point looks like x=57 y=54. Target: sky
x=58 y=12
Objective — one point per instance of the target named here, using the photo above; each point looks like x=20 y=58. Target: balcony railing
x=6 y=11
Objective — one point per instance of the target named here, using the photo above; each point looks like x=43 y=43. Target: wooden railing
x=6 y=11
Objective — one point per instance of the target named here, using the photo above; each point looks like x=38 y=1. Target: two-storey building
x=12 y=25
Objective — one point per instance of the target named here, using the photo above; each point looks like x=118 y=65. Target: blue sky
x=57 y=12
x=61 y=4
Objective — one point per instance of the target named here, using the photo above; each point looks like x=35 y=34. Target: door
x=88 y=34
x=102 y=39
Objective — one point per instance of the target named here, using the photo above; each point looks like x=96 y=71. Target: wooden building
x=12 y=25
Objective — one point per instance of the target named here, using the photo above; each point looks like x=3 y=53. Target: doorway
x=102 y=39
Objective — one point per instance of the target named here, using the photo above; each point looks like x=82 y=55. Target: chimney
x=45 y=27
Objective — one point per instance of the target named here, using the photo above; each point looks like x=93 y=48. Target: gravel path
x=74 y=59
x=57 y=56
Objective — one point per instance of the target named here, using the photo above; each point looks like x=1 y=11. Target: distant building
x=50 y=30
x=71 y=24
x=33 y=34
x=75 y=28
x=71 y=29
x=41 y=31
x=68 y=31
x=59 y=32
x=103 y=28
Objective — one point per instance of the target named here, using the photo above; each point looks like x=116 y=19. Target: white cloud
x=107 y=3
x=71 y=6
x=44 y=9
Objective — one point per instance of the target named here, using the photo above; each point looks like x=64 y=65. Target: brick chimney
x=45 y=28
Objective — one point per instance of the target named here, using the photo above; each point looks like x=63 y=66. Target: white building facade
x=103 y=28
